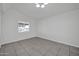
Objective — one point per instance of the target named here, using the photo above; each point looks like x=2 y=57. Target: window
x=23 y=26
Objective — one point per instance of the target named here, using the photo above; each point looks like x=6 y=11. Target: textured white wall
x=63 y=28
x=10 y=20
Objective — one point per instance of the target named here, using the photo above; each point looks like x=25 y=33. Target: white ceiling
x=30 y=10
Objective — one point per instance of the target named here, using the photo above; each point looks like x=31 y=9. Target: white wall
x=0 y=27
x=10 y=20
x=0 y=24
x=63 y=28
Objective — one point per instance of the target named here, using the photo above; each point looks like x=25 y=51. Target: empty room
x=39 y=29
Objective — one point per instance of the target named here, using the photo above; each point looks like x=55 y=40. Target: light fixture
x=37 y=5
x=45 y=3
x=41 y=5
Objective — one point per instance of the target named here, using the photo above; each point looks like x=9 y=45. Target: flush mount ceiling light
x=41 y=5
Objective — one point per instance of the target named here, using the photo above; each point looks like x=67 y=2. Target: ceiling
x=52 y=9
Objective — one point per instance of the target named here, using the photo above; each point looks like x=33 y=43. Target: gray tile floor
x=38 y=47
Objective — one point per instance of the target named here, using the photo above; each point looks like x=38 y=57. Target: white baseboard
x=6 y=42
x=52 y=39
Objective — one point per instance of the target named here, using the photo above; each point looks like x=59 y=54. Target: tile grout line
x=58 y=51
x=15 y=51
x=69 y=50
